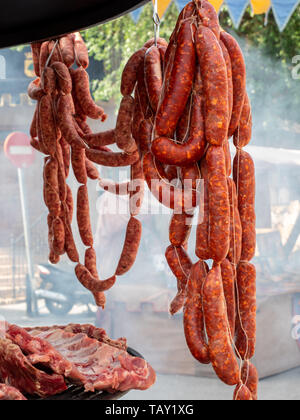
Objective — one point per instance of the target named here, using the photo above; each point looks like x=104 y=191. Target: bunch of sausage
x=60 y=131
x=190 y=99
x=182 y=102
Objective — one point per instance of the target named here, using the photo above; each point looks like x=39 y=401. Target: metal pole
x=30 y=284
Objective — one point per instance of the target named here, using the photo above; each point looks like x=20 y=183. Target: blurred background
x=138 y=305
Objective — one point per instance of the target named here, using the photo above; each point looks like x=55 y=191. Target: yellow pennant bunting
x=217 y=4
x=260 y=6
x=162 y=6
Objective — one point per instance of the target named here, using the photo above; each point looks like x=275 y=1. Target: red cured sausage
x=215 y=86
x=181 y=265
x=66 y=44
x=83 y=216
x=34 y=90
x=48 y=81
x=78 y=160
x=220 y=348
x=209 y=16
x=144 y=138
x=100 y=139
x=51 y=189
x=180 y=229
x=202 y=245
x=194 y=328
x=58 y=243
x=250 y=378
x=243 y=134
x=66 y=122
x=64 y=79
x=91 y=170
x=242 y=393
x=108 y=158
x=54 y=53
x=226 y=148
x=81 y=51
x=49 y=131
x=138 y=117
x=219 y=206
x=131 y=246
x=123 y=135
x=246 y=319
x=129 y=76
x=238 y=77
x=90 y=263
x=66 y=152
x=70 y=203
x=91 y=283
x=167 y=151
x=81 y=83
x=44 y=54
x=177 y=92
x=70 y=246
x=229 y=77
x=235 y=249
x=153 y=76
x=183 y=126
x=244 y=177
x=228 y=278
x=164 y=192
x=137 y=188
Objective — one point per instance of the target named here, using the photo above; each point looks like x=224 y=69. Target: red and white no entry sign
x=18 y=150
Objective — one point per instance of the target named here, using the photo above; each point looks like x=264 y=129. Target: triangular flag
x=217 y=4
x=236 y=10
x=283 y=10
x=162 y=6
x=260 y=6
x=136 y=14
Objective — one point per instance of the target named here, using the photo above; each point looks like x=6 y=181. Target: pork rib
x=9 y=393
x=103 y=366
x=17 y=371
x=91 y=331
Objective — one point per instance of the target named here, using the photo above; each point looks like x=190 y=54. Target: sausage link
x=227 y=153
x=250 y=378
x=66 y=44
x=78 y=160
x=49 y=130
x=176 y=95
x=81 y=51
x=70 y=203
x=244 y=177
x=238 y=77
x=44 y=54
x=91 y=170
x=235 y=248
x=81 y=83
x=83 y=216
x=70 y=246
x=209 y=17
x=219 y=206
x=58 y=236
x=202 y=245
x=173 y=197
x=93 y=284
x=153 y=76
x=35 y=92
x=48 y=81
x=180 y=229
x=54 y=52
x=90 y=263
x=229 y=77
x=66 y=122
x=64 y=79
x=100 y=139
x=215 y=86
x=66 y=152
x=220 y=348
x=123 y=135
x=131 y=246
x=243 y=133
x=228 y=279
x=194 y=327
x=137 y=188
x=181 y=265
x=242 y=393
x=51 y=188
x=246 y=319
x=144 y=138
x=108 y=158
x=129 y=76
